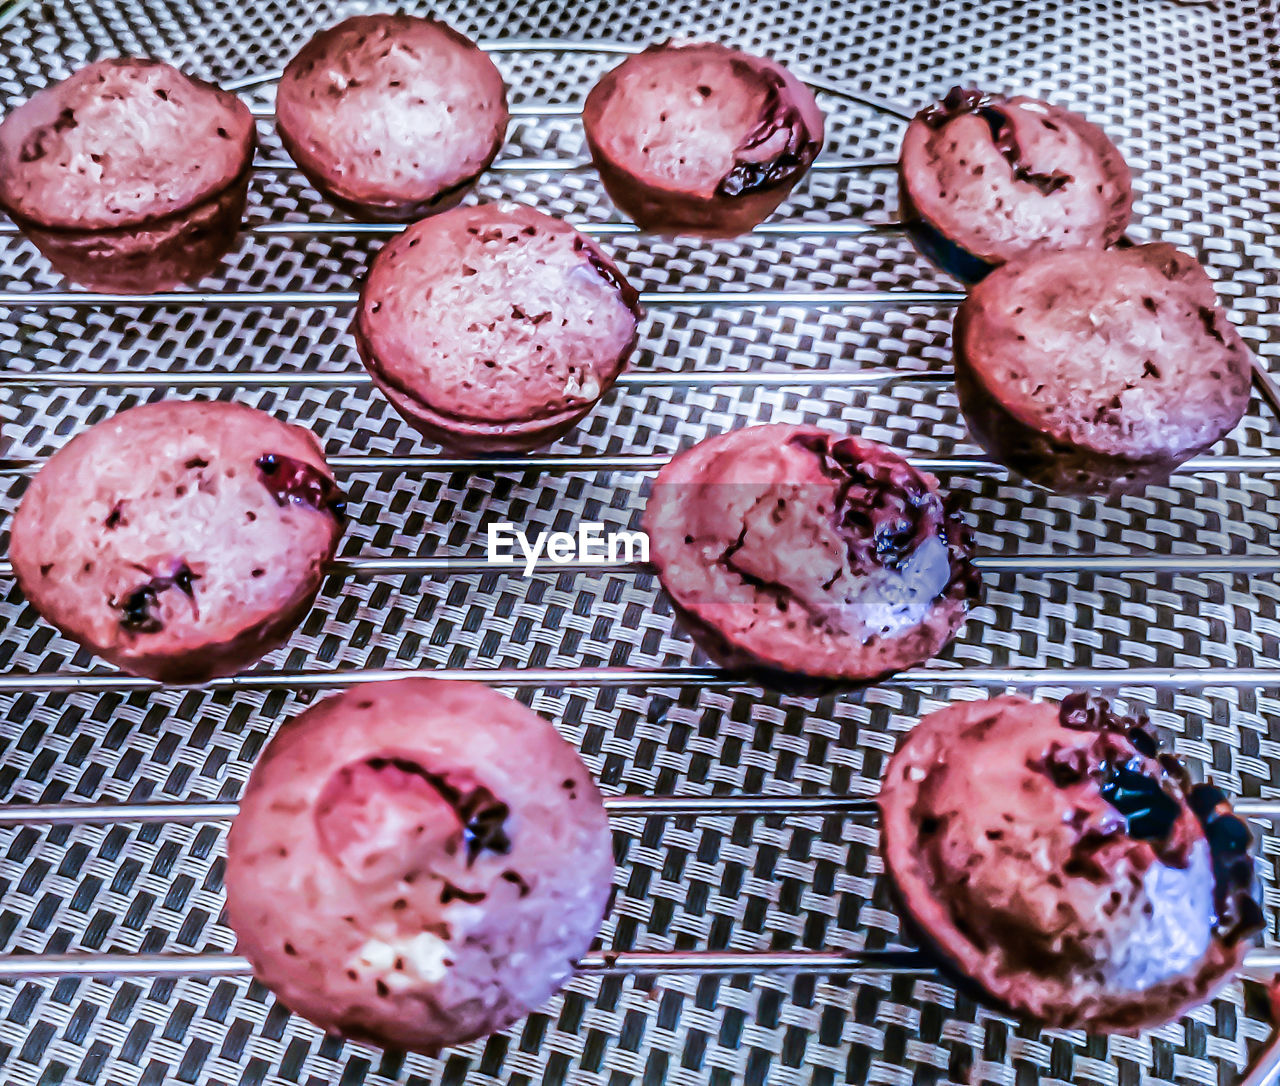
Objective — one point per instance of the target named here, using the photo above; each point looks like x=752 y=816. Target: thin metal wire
x=190 y=813
x=557 y=165
x=1030 y=564
x=1124 y=564
x=941 y=465
x=359 y=378
x=343 y=228
x=337 y=299
x=623 y=676
x=895 y=961
x=186 y=814
x=600 y=963
x=567 y=45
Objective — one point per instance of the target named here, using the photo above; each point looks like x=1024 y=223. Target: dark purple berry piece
x=295 y=482
x=136 y=610
x=885 y=510
x=794 y=157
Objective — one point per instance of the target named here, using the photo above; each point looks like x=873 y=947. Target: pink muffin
x=984 y=179
x=494 y=328
x=800 y=552
x=417 y=863
x=129 y=176
x=1099 y=372
x=180 y=540
x=1056 y=859
x=694 y=137
x=392 y=117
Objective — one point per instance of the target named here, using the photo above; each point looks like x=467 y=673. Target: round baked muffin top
x=1054 y=857
x=1123 y=351
x=699 y=117
x=810 y=553
x=1001 y=177
x=175 y=530
x=121 y=142
x=496 y=313
x=416 y=863
x=394 y=110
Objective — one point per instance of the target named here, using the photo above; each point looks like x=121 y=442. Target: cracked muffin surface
x=797 y=550
x=495 y=327
x=179 y=540
x=984 y=178
x=1052 y=855
x=1093 y=372
x=417 y=863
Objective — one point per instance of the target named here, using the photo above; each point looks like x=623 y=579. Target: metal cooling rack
x=741 y=821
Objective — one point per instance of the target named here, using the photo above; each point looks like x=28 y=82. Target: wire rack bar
x=600 y=963
x=518 y=111
x=360 y=379
x=641 y=462
x=897 y=961
x=193 y=813
x=530 y=164
x=1132 y=563
x=574 y=165
x=303 y=299
x=1189 y=564
x=948 y=465
x=635 y=379
x=343 y=228
x=186 y=814
x=568 y=45
x=626 y=676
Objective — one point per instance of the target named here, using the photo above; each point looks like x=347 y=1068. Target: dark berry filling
x=138 y=607
x=35 y=147
x=1230 y=841
x=960 y=101
x=776 y=115
x=629 y=295
x=1151 y=800
x=885 y=509
x=137 y=610
x=298 y=483
x=482 y=815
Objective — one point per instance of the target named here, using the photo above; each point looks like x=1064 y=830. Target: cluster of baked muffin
x=417 y=863
x=1085 y=364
